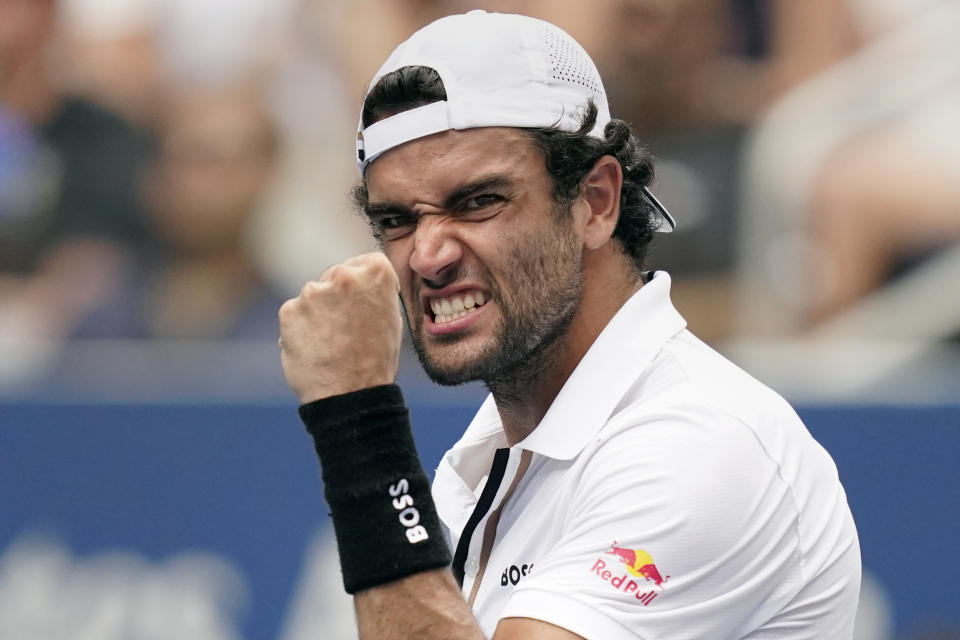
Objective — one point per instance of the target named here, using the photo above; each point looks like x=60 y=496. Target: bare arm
x=342 y=334
x=428 y=606
x=425 y=605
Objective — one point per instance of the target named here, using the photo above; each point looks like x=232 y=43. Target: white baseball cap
x=498 y=70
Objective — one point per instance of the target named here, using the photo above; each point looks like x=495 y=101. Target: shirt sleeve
x=678 y=526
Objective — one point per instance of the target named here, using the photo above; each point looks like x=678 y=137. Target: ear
x=601 y=195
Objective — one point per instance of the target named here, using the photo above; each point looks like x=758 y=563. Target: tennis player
x=622 y=480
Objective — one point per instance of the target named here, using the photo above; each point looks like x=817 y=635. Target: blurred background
x=172 y=170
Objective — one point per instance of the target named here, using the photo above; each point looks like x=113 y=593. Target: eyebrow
x=452 y=201
x=386 y=209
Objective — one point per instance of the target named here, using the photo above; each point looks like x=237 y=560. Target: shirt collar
x=614 y=362
x=618 y=356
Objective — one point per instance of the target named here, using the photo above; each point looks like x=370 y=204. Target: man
x=217 y=154
x=70 y=208
x=622 y=480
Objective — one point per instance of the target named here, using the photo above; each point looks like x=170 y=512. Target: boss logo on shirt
x=513 y=574
x=639 y=564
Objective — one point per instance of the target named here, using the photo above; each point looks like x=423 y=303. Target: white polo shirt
x=665 y=494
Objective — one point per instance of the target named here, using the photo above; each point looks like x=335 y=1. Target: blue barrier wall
x=901 y=472
x=243 y=482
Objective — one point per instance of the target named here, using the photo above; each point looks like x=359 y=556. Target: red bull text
x=640 y=565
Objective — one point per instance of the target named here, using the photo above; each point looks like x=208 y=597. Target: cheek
x=535 y=260
x=398 y=253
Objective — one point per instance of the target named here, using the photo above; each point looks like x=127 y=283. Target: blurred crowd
x=174 y=169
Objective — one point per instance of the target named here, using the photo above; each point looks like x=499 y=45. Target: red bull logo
x=639 y=564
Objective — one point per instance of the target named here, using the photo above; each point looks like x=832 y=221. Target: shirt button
x=472 y=568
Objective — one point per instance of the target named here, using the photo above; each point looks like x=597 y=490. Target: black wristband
x=383 y=515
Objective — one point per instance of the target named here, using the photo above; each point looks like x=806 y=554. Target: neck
x=524 y=394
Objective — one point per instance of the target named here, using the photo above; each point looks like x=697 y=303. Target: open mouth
x=456 y=306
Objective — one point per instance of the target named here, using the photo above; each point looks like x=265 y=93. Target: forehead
x=427 y=169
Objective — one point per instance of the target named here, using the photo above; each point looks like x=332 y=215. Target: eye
x=481 y=201
x=392 y=226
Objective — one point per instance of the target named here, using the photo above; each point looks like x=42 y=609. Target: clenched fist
x=343 y=332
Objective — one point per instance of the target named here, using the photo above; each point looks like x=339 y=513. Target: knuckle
x=379 y=263
x=359 y=259
x=312 y=290
x=380 y=259
x=287 y=309
x=381 y=267
x=333 y=272
x=338 y=274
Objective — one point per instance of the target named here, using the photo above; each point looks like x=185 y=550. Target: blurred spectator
x=112 y=54
x=852 y=174
x=309 y=224
x=882 y=204
x=69 y=197
x=89 y=158
x=371 y=29
x=217 y=156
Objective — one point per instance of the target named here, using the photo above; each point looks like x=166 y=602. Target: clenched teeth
x=447 y=309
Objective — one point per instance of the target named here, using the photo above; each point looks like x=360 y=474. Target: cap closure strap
x=405 y=126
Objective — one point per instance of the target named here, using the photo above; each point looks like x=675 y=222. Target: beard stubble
x=541 y=291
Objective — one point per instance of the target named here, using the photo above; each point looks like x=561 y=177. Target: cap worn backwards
x=498 y=70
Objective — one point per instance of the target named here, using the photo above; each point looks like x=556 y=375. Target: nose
x=436 y=251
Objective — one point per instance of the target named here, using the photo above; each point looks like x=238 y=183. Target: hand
x=343 y=332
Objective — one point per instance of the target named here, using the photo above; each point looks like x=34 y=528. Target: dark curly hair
x=569 y=155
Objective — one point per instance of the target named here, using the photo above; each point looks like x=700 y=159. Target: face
x=215 y=163
x=24 y=25
x=490 y=267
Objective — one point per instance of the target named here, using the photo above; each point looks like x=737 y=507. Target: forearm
x=425 y=606
x=393 y=551
x=339 y=344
